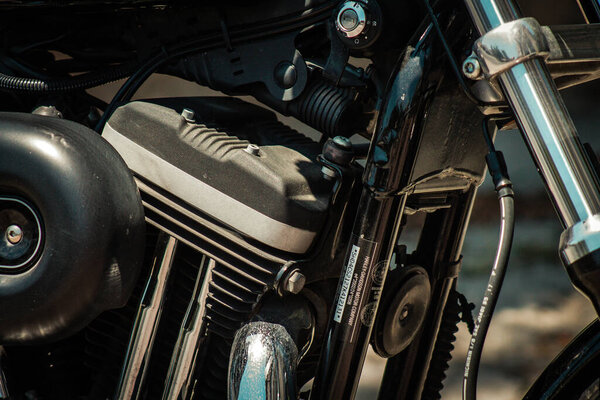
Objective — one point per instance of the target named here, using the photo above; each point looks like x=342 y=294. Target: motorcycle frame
x=566 y=170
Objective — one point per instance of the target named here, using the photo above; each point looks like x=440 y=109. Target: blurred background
x=539 y=312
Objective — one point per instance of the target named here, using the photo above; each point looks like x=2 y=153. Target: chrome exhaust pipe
x=262 y=364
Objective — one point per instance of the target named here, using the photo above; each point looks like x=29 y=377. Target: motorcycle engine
x=227 y=159
x=246 y=199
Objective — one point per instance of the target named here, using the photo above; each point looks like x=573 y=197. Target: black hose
x=490 y=298
x=84 y=81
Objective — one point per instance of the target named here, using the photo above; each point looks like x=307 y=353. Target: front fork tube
x=358 y=294
x=553 y=141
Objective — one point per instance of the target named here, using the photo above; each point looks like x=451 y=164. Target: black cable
x=136 y=80
x=453 y=64
x=503 y=185
x=84 y=81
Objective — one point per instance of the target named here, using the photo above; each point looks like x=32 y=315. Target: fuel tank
x=71 y=228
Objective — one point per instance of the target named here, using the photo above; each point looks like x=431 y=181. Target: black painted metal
x=439 y=247
x=376 y=226
x=349 y=330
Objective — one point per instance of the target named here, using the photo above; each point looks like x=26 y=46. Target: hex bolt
x=471 y=68
x=188 y=115
x=252 y=149
x=14 y=234
x=294 y=282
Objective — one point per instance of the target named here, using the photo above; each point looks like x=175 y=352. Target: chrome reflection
x=191 y=335
x=550 y=135
x=262 y=365
x=144 y=330
x=3 y=386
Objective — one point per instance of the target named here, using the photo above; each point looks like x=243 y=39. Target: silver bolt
x=471 y=68
x=14 y=234
x=188 y=115
x=252 y=149
x=294 y=282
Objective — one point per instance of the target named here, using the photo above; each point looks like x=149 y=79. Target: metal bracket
x=502 y=48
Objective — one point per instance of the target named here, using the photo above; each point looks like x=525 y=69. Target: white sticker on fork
x=339 y=309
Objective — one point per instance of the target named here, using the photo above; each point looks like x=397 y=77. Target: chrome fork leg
x=555 y=146
x=262 y=365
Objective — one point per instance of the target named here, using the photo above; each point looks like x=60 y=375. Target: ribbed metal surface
x=242 y=273
x=186 y=267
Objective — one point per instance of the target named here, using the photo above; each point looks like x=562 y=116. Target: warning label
x=339 y=309
x=356 y=282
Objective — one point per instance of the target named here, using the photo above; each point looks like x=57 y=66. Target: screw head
x=252 y=149
x=471 y=68
x=188 y=115
x=294 y=282
x=14 y=234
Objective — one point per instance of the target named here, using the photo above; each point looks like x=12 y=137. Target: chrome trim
x=179 y=378
x=208 y=199
x=361 y=18
x=509 y=44
x=144 y=329
x=39 y=228
x=548 y=131
x=580 y=239
x=262 y=365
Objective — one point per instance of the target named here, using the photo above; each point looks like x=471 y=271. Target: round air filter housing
x=71 y=228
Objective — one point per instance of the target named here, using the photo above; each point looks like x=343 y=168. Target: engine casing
x=276 y=196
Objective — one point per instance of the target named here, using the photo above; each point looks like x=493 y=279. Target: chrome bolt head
x=471 y=68
x=14 y=234
x=294 y=282
x=188 y=115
